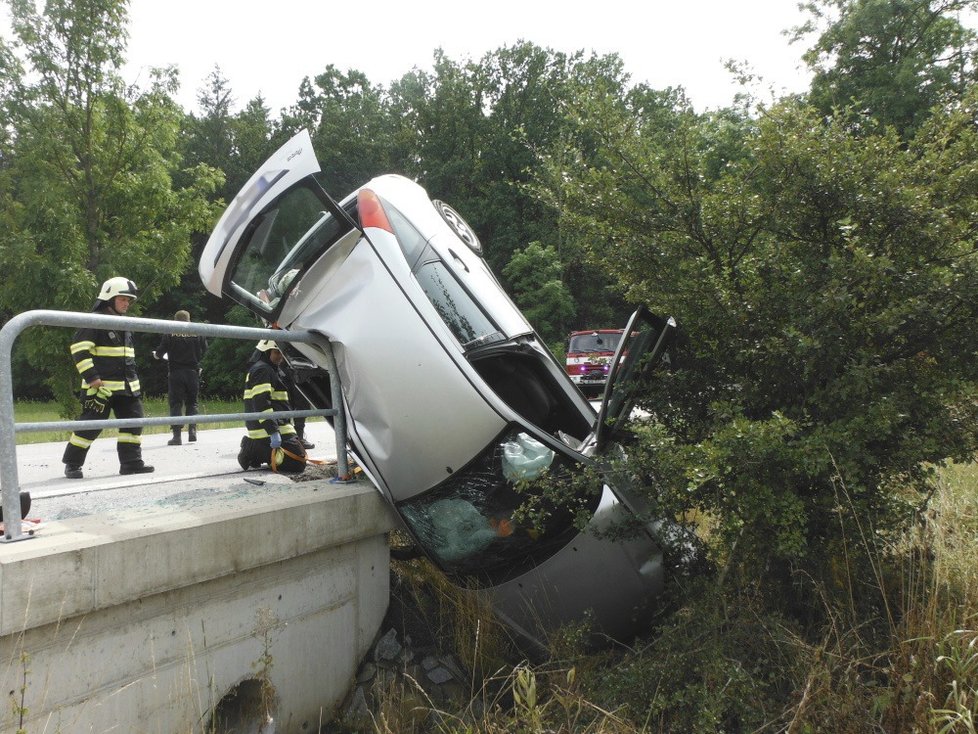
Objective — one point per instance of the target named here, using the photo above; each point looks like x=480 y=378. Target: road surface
x=183 y=473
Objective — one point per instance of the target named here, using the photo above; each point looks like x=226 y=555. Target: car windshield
x=469 y=523
x=594 y=342
x=280 y=243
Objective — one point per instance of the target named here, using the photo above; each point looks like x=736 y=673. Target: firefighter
x=271 y=441
x=106 y=361
x=183 y=354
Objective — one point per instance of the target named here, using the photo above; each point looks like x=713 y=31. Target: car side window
x=282 y=241
x=410 y=241
x=455 y=306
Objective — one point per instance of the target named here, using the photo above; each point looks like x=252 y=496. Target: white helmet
x=118 y=287
x=265 y=345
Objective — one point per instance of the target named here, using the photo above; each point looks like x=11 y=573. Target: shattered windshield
x=469 y=523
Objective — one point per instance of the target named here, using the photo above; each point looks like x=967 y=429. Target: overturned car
x=454 y=405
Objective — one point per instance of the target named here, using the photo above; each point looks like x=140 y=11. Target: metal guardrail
x=9 y=484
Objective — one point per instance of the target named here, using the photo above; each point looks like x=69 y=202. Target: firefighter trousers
x=129 y=443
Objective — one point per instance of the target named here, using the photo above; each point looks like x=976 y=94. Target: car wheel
x=459 y=226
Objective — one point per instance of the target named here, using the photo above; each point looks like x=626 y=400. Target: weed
x=19 y=699
x=960 y=658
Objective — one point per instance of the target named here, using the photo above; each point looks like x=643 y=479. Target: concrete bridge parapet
x=228 y=605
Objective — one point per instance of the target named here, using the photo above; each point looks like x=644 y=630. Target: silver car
x=455 y=406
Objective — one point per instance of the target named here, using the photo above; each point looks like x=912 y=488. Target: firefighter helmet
x=266 y=345
x=118 y=286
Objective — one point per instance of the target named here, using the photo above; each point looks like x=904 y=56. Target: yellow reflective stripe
x=267 y=410
x=84 y=365
x=76 y=440
x=259 y=433
x=114 y=351
x=280 y=395
x=258 y=390
x=81 y=347
x=129 y=438
x=113 y=385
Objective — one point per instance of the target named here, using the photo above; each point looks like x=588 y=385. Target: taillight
x=372 y=212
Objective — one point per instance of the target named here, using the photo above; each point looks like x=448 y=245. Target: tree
x=443 y=115
x=236 y=144
x=350 y=126
x=472 y=133
x=823 y=282
x=893 y=59
x=90 y=173
x=538 y=290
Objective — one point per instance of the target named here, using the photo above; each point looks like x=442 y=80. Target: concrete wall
x=255 y=602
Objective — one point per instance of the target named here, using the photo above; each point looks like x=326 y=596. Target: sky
x=268 y=48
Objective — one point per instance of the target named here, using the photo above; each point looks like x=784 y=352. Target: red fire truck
x=589 y=356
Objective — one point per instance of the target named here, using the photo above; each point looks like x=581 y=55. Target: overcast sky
x=269 y=47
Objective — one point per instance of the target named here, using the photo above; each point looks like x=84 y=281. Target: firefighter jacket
x=107 y=354
x=266 y=391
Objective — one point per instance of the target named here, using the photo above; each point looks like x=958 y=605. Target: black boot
x=244 y=455
x=192 y=433
x=175 y=441
x=73 y=471
x=135 y=467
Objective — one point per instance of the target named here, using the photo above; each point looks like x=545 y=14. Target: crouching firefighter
x=106 y=361
x=272 y=441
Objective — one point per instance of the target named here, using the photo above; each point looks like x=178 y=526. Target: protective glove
x=98 y=399
x=276 y=440
x=95 y=404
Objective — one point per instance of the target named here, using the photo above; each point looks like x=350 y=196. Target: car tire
x=459 y=226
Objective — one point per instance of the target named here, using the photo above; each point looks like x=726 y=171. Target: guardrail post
x=9 y=486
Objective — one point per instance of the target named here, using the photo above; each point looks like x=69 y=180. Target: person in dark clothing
x=106 y=361
x=183 y=353
x=272 y=441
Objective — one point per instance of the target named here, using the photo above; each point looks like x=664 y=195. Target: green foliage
x=538 y=290
x=895 y=59
x=709 y=667
x=822 y=281
x=90 y=175
x=351 y=127
x=226 y=360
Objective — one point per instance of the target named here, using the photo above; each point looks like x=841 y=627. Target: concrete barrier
x=235 y=606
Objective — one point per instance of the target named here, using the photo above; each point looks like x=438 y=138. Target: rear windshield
x=594 y=342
